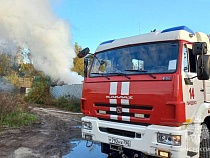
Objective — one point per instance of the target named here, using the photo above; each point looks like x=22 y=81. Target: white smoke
x=5 y=86
x=32 y=22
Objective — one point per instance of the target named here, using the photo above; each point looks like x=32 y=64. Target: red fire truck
x=149 y=95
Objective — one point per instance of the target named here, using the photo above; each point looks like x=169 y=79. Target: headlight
x=87 y=125
x=169 y=139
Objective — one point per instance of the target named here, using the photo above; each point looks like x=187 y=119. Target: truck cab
x=148 y=94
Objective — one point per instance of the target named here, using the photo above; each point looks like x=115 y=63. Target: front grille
x=141 y=107
x=117 y=132
x=124 y=113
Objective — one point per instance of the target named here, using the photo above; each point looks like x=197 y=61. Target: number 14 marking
x=192 y=94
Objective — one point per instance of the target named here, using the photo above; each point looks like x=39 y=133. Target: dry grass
x=13 y=111
x=8 y=103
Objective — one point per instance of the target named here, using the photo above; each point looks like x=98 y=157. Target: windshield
x=139 y=59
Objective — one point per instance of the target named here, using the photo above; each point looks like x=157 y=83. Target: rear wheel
x=204 y=142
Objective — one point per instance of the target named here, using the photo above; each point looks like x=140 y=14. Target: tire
x=204 y=151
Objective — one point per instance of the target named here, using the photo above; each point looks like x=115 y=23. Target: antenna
x=139 y=28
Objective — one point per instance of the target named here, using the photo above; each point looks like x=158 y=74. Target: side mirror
x=203 y=67
x=199 y=48
x=83 y=53
x=86 y=61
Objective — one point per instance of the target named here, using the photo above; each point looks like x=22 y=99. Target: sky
x=92 y=22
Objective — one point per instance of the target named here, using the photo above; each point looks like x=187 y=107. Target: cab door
x=193 y=92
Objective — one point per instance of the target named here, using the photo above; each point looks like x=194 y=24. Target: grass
x=18 y=119
x=68 y=103
x=14 y=112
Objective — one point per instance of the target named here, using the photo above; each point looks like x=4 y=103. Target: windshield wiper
x=101 y=74
x=119 y=74
x=144 y=71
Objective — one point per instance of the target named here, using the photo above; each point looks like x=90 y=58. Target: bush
x=69 y=103
x=39 y=93
x=8 y=104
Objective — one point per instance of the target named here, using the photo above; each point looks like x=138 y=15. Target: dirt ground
x=47 y=138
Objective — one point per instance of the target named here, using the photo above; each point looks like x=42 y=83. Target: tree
x=78 y=62
x=4 y=64
x=28 y=70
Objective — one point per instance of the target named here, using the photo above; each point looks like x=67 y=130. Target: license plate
x=118 y=141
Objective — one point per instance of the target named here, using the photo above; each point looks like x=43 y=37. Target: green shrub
x=39 y=93
x=69 y=103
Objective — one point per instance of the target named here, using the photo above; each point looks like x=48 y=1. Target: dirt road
x=46 y=138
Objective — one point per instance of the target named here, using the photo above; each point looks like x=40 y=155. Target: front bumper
x=135 y=137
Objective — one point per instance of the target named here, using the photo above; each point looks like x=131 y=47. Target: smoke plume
x=33 y=23
x=5 y=86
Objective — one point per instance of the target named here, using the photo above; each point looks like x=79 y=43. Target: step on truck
x=149 y=95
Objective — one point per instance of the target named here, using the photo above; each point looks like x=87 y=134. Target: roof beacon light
x=178 y=28
x=106 y=42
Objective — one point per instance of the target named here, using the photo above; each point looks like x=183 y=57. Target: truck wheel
x=204 y=142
